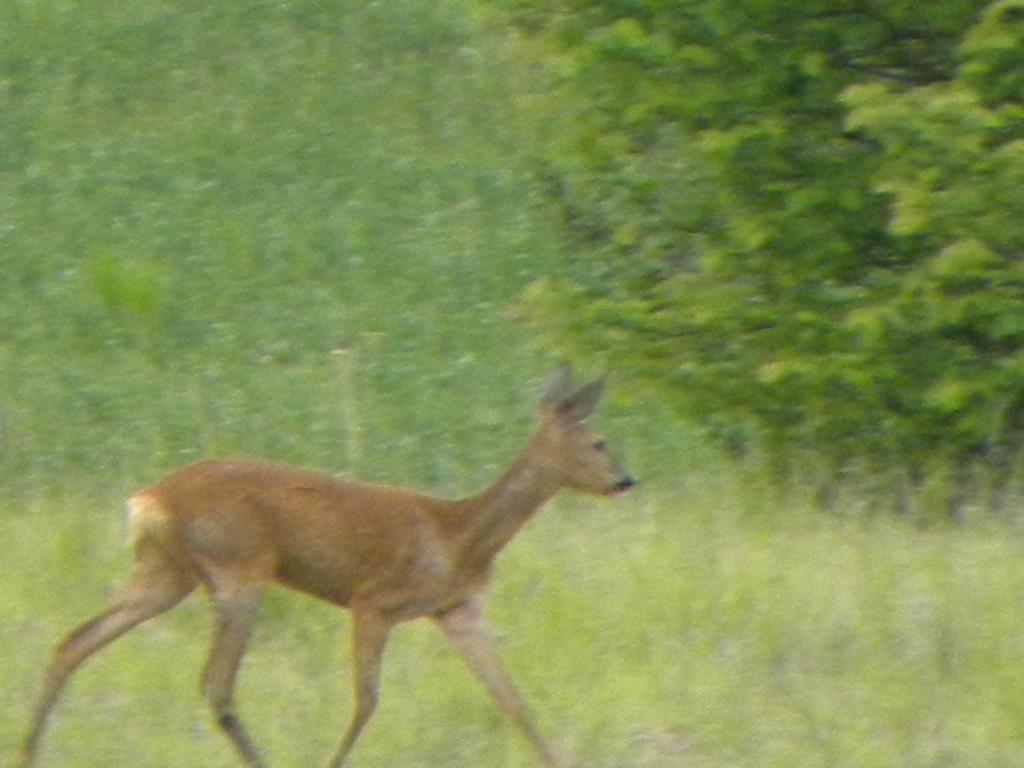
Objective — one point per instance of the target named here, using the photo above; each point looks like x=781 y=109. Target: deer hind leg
x=236 y=605
x=154 y=586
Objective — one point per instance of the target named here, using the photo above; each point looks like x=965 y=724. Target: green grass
x=659 y=630
x=291 y=230
x=296 y=230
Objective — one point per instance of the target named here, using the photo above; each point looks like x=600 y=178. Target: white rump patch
x=143 y=516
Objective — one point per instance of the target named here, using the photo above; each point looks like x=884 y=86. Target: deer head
x=566 y=446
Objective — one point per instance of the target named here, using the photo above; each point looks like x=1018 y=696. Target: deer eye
x=599 y=445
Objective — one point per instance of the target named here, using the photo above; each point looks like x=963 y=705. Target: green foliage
x=293 y=230
x=805 y=221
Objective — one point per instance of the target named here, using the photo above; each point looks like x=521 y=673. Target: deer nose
x=625 y=483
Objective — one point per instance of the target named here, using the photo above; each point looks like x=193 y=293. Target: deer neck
x=492 y=518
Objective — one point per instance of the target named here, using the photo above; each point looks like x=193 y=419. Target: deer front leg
x=464 y=626
x=370 y=633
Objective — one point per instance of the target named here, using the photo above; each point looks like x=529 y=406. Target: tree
x=804 y=220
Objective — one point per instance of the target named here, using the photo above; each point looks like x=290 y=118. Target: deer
x=388 y=554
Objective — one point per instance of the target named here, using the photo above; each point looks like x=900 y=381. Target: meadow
x=666 y=630
x=299 y=231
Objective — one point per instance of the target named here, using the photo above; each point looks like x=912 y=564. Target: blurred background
x=358 y=236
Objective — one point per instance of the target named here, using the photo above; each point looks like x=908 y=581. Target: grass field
x=664 y=630
x=279 y=229
x=298 y=231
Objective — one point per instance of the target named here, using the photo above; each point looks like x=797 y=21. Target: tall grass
x=295 y=230
x=206 y=209
x=658 y=631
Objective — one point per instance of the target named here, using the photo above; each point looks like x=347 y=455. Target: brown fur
x=388 y=554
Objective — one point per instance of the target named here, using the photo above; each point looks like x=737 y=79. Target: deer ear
x=579 y=405
x=559 y=387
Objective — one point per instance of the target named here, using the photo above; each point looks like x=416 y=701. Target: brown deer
x=387 y=554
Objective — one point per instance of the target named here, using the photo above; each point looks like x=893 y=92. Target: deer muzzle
x=623 y=485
